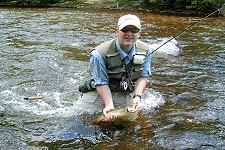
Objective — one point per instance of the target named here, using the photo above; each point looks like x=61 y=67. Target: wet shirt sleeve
x=147 y=65
x=98 y=68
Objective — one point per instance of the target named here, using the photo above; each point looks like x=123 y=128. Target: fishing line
x=186 y=29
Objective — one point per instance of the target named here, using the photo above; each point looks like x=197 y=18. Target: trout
x=122 y=113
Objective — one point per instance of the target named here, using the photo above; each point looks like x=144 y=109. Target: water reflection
x=45 y=52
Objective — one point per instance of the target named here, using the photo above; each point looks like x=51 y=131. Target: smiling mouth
x=128 y=38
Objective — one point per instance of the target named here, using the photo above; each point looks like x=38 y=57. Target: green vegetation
x=188 y=6
x=176 y=6
x=41 y=3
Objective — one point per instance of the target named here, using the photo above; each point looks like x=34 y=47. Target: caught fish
x=122 y=113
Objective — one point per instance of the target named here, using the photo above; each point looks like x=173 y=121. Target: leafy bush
x=36 y=2
x=201 y=6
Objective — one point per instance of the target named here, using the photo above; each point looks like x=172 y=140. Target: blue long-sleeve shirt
x=98 y=68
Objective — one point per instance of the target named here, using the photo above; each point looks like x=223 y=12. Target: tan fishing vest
x=115 y=66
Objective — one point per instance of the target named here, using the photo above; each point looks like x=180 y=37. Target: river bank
x=137 y=5
x=99 y=4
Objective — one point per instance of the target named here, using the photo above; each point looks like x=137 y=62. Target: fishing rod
x=186 y=29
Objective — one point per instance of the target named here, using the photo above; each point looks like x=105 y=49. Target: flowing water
x=44 y=51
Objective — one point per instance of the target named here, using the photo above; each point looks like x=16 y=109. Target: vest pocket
x=113 y=60
x=138 y=59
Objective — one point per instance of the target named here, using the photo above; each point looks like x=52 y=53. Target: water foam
x=152 y=99
x=169 y=48
x=53 y=105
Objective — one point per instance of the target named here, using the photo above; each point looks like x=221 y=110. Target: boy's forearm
x=105 y=94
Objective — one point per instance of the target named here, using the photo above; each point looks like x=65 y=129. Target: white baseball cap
x=129 y=20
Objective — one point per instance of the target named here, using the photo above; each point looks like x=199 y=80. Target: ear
x=117 y=30
x=139 y=34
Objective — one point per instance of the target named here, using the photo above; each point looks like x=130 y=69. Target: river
x=44 y=51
